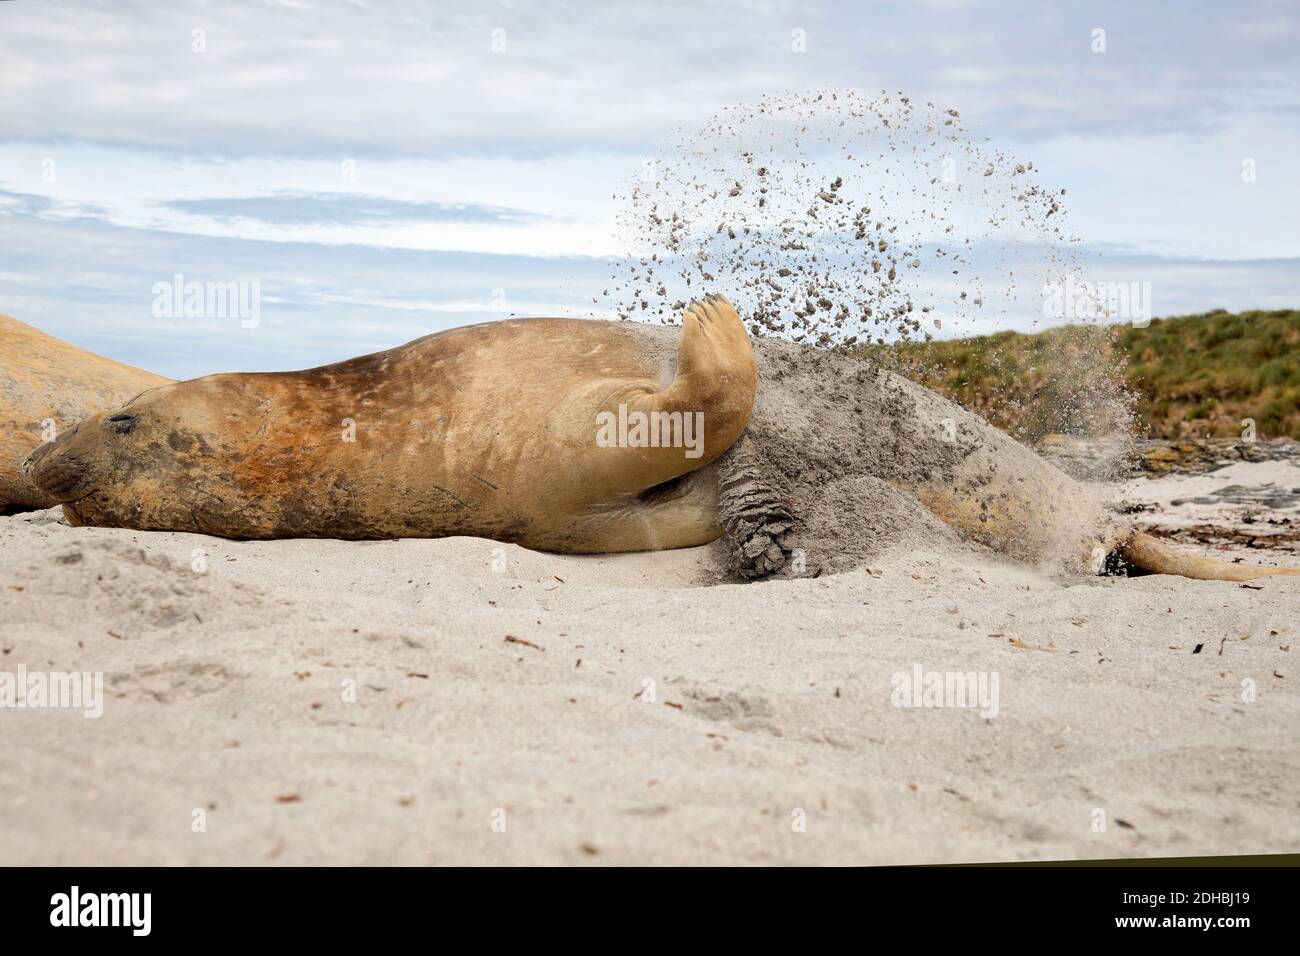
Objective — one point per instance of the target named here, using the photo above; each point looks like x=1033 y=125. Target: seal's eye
x=122 y=424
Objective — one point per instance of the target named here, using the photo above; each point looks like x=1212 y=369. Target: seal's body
x=515 y=430
x=534 y=431
x=46 y=387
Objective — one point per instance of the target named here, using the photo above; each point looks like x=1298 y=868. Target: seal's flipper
x=717 y=374
x=665 y=432
x=1154 y=556
x=755 y=516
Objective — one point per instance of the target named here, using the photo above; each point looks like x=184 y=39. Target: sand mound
x=881 y=517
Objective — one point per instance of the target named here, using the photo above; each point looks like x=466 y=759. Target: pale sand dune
x=225 y=693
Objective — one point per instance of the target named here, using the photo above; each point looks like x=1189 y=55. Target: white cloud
x=420 y=79
x=156 y=149
x=563 y=204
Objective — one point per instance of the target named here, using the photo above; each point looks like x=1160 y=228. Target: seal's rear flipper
x=755 y=518
x=1152 y=555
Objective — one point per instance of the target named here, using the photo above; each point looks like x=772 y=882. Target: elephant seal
x=837 y=448
x=46 y=387
x=527 y=431
x=556 y=434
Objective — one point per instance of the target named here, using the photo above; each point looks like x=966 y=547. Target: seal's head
x=113 y=464
x=184 y=457
x=71 y=466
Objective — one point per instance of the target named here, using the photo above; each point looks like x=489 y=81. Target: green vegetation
x=1186 y=377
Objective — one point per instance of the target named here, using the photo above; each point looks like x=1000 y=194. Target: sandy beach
x=464 y=701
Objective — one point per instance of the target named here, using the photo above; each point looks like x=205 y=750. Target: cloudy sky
x=383 y=170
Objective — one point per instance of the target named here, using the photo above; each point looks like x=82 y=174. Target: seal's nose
x=32 y=462
x=57 y=468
